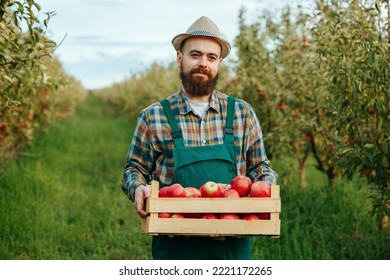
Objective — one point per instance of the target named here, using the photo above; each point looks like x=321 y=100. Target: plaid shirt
x=150 y=156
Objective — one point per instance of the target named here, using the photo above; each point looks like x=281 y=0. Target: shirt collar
x=185 y=106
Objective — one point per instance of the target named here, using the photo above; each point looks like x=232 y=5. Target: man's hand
x=141 y=193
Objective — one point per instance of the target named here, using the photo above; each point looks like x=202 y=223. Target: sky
x=102 y=42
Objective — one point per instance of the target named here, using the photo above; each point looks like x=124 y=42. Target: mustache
x=201 y=70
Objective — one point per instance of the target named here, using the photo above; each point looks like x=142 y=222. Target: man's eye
x=194 y=55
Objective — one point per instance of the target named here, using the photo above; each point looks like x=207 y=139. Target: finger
x=146 y=191
x=139 y=207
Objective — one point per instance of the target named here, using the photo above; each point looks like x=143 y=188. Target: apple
x=176 y=190
x=231 y=193
x=164 y=215
x=163 y=192
x=264 y=216
x=210 y=189
x=224 y=187
x=193 y=215
x=250 y=216
x=229 y=216
x=241 y=184
x=192 y=192
x=210 y=216
x=260 y=189
x=177 y=216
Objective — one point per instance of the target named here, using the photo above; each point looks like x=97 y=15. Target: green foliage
x=34 y=88
x=22 y=53
x=352 y=42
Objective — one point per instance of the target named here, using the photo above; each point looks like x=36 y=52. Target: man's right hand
x=141 y=193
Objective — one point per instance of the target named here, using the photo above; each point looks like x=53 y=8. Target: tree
x=353 y=67
x=32 y=82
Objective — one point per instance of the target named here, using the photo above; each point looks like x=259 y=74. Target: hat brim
x=179 y=39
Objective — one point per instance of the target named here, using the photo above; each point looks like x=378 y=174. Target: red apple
x=241 y=184
x=260 y=189
x=264 y=216
x=230 y=216
x=163 y=192
x=231 y=193
x=209 y=216
x=176 y=190
x=224 y=187
x=192 y=192
x=164 y=215
x=210 y=189
x=193 y=215
x=177 y=216
x=250 y=216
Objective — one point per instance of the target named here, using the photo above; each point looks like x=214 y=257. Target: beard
x=198 y=86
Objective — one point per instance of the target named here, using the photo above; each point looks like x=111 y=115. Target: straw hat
x=202 y=27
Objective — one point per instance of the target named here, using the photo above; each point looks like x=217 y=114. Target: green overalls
x=193 y=166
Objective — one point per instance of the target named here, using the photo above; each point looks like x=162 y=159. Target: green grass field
x=62 y=200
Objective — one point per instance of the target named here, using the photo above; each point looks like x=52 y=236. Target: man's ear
x=179 y=57
x=220 y=63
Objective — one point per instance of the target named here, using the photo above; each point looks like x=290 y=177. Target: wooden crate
x=154 y=225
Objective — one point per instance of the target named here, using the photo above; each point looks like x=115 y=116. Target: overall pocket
x=196 y=165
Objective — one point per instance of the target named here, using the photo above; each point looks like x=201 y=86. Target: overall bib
x=193 y=166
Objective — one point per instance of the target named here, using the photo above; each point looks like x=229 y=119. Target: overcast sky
x=106 y=41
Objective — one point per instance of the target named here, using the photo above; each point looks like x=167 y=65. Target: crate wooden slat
x=204 y=205
x=218 y=227
x=154 y=225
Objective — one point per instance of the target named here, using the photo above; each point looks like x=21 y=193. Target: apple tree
x=353 y=73
x=32 y=82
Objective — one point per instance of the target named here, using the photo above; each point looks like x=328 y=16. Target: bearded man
x=195 y=135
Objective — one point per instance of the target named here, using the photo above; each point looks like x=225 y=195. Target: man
x=196 y=135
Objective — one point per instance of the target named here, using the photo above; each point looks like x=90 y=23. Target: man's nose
x=203 y=61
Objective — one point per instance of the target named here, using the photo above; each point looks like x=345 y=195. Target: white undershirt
x=200 y=108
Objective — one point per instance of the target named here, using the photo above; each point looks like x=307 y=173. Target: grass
x=325 y=224
x=62 y=200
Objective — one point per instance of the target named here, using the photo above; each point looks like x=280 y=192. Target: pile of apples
x=240 y=186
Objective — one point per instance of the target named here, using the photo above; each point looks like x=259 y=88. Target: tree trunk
x=302 y=175
x=301 y=157
x=331 y=177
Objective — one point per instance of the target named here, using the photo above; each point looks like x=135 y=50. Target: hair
x=182 y=45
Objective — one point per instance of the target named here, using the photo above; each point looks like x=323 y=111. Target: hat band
x=203 y=32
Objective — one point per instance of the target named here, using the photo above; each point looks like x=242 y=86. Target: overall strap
x=229 y=130
x=176 y=132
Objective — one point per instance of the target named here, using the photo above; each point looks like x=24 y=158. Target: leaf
x=378 y=6
x=371 y=58
x=385 y=162
x=369 y=146
x=37 y=6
